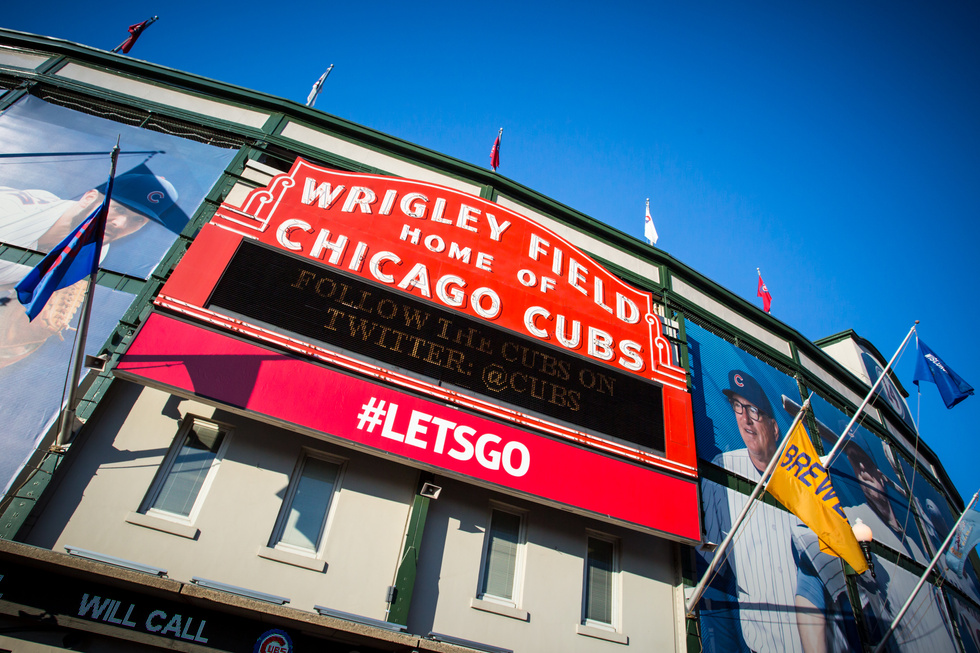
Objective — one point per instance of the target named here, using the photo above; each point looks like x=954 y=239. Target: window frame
x=615 y=599
x=517 y=590
x=278 y=529
x=147 y=506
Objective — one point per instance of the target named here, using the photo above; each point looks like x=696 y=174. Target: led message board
x=495 y=313
x=326 y=306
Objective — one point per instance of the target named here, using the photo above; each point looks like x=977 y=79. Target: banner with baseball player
x=742 y=406
x=967 y=622
x=925 y=628
x=874 y=365
x=53 y=172
x=777 y=591
x=34 y=362
x=937 y=518
x=53 y=164
x=869 y=484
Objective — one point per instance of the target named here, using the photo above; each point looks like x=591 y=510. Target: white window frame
x=614 y=624
x=518 y=588
x=166 y=466
x=287 y=503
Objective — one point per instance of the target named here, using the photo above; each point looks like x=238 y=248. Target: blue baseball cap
x=743 y=384
x=148 y=195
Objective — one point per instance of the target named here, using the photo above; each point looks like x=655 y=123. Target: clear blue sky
x=835 y=145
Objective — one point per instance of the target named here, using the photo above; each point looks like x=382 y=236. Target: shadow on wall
x=93 y=448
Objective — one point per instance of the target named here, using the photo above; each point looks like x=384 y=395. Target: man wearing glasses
x=756 y=425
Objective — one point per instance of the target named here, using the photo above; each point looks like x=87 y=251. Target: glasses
x=753 y=412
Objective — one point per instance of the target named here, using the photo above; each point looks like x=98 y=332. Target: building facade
x=358 y=396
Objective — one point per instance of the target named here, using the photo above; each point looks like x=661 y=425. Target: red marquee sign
x=457 y=253
x=464 y=253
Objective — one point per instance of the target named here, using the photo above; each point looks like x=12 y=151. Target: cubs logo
x=155 y=196
x=738 y=380
x=273 y=641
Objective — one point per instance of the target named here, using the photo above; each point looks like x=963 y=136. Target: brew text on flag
x=803 y=486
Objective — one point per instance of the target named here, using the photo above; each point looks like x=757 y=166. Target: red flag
x=134 y=33
x=764 y=293
x=495 y=151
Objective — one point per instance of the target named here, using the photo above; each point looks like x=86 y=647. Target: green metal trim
x=408 y=567
x=25 y=497
x=693 y=635
x=685 y=360
x=488 y=192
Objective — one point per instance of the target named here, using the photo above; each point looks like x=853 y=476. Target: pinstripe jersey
x=821 y=580
x=761 y=557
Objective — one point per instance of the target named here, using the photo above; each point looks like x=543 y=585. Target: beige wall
x=109 y=478
x=112 y=468
x=552 y=581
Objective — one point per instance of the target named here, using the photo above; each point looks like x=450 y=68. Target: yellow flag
x=802 y=484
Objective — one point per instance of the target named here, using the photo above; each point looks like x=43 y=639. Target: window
x=187 y=471
x=502 y=557
x=601 y=579
x=303 y=517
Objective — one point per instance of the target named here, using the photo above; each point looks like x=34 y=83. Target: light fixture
x=358 y=619
x=96 y=362
x=430 y=491
x=114 y=561
x=459 y=641
x=863 y=534
x=240 y=591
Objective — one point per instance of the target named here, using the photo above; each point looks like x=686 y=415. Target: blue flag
x=73 y=259
x=963 y=542
x=931 y=368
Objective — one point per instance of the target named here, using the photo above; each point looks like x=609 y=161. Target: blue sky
x=834 y=145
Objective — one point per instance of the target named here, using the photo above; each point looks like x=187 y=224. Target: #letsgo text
x=424 y=431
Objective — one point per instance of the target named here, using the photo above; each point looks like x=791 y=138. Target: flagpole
x=759 y=487
x=922 y=581
x=829 y=458
x=68 y=414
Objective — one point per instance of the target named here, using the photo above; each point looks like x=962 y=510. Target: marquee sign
x=448 y=295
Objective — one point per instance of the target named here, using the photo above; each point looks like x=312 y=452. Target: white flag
x=315 y=91
x=650 y=231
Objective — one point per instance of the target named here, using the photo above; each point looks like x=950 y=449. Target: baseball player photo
x=54 y=165
x=774 y=565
